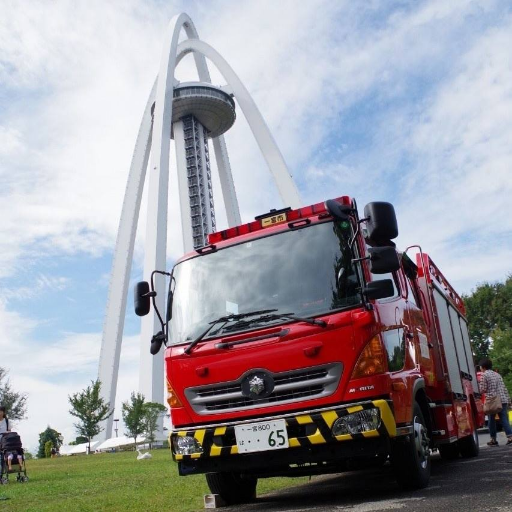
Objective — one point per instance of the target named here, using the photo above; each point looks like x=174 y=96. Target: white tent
x=116 y=442
x=65 y=449
x=79 y=448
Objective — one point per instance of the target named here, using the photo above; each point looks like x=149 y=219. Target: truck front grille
x=291 y=386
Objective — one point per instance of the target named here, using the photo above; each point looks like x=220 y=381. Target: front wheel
x=410 y=458
x=233 y=488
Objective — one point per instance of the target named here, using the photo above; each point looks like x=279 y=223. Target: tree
x=152 y=410
x=501 y=355
x=15 y=403
x=78 y=440
x=488 y=309
x=48 y=449
x=91 y=409
x=133 y=416
x=50 y=435
x=489 y=314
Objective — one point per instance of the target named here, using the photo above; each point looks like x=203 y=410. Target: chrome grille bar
x=290 y=386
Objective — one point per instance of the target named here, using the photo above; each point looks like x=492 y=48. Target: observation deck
x=210 y=105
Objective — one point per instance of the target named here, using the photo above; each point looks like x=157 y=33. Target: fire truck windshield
x=306 y=271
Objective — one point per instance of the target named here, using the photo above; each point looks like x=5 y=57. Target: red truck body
x=366 y=380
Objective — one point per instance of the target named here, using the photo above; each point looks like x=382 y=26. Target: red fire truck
x=305 y=343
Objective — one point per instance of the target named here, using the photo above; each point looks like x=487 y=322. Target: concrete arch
x=122 y=262
x=268 y=147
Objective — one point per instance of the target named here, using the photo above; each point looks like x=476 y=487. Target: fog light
x=186 y=445
x=357 y=422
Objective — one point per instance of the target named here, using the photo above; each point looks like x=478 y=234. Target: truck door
x=450 y=340
x=416 y=327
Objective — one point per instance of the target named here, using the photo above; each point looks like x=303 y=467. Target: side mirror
x=381 y=224
x=379 y=289
x=383 y=260
x=156 y=343
x=142 y=298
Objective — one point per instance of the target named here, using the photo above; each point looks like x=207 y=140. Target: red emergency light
x=273 y=218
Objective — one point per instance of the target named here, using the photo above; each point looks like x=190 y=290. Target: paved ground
x=479 y=484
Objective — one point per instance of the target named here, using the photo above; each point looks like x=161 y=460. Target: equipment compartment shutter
x=459 y=343
x=469 y=352
x=448 y=342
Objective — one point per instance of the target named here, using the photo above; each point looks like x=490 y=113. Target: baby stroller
x=11 y=448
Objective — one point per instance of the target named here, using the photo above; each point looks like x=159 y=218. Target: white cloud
x=456 y=200
x=39 y=285
x=76 y=77
x=49 y=374
x=87 y=68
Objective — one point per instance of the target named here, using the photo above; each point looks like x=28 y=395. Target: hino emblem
x=256 y=385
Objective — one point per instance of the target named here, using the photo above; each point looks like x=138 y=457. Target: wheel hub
x=422 y=443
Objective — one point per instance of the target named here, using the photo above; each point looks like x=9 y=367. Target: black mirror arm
x=170 y=295
x=153 y=294
x=366 y=303
x=358 y=223
x=358 y=230
x=357 y=260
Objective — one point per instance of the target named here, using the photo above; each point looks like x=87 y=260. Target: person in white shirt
x=4 y=422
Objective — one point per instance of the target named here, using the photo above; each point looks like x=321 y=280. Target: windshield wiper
x=225 y=319
x=279 y=334
x=308 y=320
x=270 y=318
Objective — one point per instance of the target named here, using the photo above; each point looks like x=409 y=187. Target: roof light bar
x=274 y=218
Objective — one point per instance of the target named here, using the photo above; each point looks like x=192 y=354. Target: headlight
x=186 y=445
x=357 y=422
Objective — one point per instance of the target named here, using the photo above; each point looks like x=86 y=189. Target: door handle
x=313 y=350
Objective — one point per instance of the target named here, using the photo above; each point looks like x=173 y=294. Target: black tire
x=469 y=446
x=449 y=451
x=233 y=488
x=410 y=458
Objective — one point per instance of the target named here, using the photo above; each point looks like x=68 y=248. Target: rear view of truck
x=305 y=343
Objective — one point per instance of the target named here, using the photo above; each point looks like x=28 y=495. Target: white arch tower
x=174 y=108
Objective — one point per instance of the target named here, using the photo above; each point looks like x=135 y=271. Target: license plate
x=260 y=437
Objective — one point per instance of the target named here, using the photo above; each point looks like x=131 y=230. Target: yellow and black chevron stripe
x=303 y=430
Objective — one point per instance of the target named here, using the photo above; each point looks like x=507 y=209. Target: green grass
x=115 y=481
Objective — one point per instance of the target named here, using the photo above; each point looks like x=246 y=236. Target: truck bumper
x=311 y=443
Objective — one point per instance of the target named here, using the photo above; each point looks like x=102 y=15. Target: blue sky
x=409 y=102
